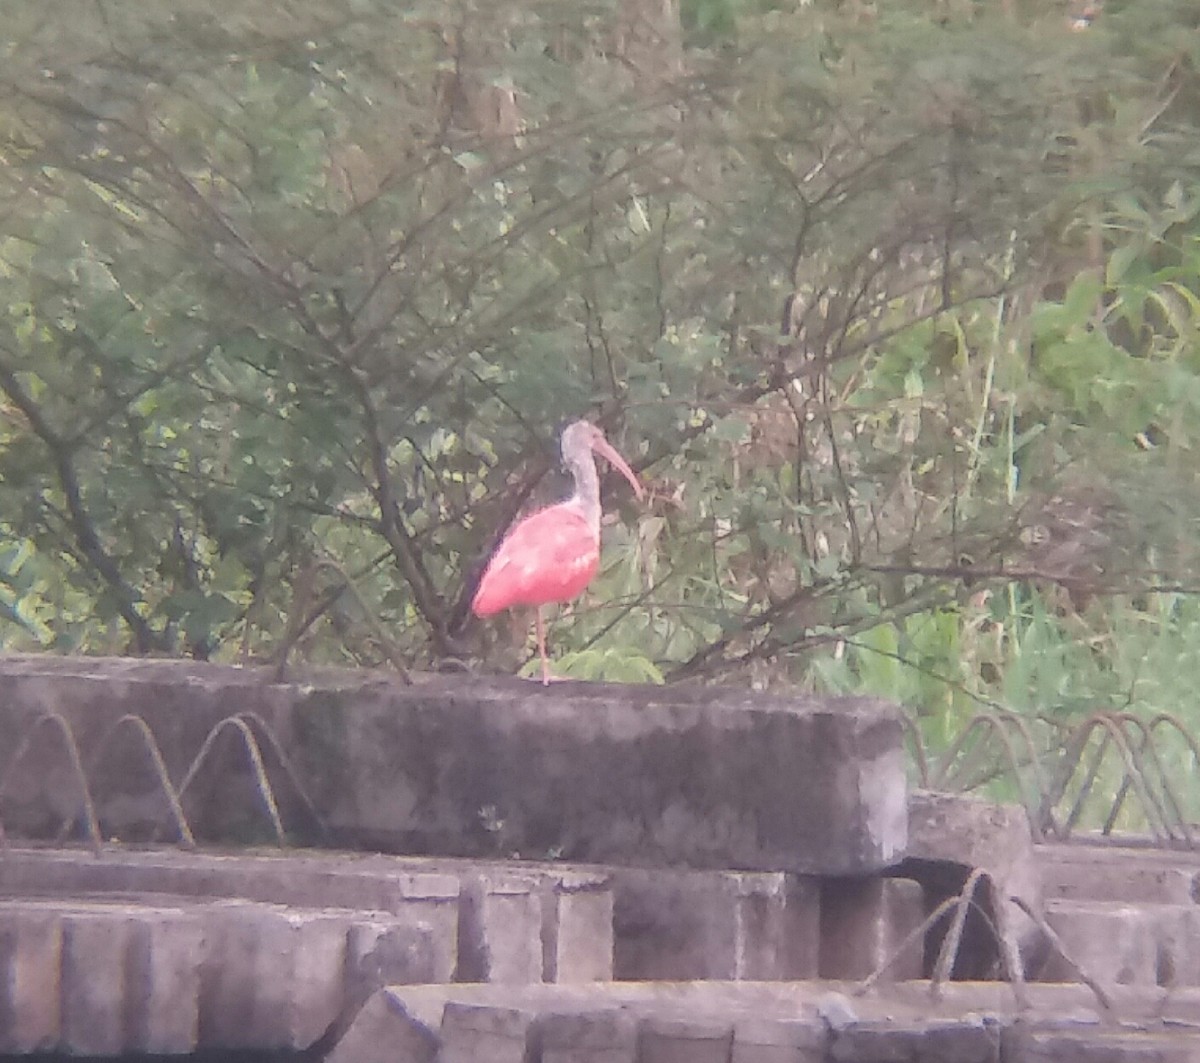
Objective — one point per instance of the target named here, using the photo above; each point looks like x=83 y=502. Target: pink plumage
x=549 y=557
x=552 y=555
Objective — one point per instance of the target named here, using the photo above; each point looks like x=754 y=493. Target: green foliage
x=609 y=665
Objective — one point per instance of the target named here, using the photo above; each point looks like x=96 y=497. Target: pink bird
x=552 y=555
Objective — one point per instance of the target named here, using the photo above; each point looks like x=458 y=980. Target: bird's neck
x=586 y=498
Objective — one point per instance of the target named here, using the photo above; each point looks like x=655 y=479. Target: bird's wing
x=548 y=557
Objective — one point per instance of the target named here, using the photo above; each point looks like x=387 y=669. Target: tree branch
x=83 y=528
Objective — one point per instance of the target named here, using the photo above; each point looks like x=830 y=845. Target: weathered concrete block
x=1025 y=1045
x=305 y=955
x=952 y=834
x=936 y=1041
x=778 y=927
x=577 y=928
x=685 y=1040
x=702 y=777
x=778 y=1022
x=30 y=962
x=975 y=833
x=411 y=891
x=714 y=925
x=766 y=1040
x=1114 y=943
x=475 y=1032
x=864 y=921
x=273 y=976
x=163 y=981
x=95 y=947
x=1177 y=938
x=383 y=1031
x=595 y=1036
x=499 y=930
x=523 y=922
x=228 y=987
x=1127 y=944
x=1107 y=873
x=383 y=950
x=627 y=775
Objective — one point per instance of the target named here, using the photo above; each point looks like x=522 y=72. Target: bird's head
x=579 y=437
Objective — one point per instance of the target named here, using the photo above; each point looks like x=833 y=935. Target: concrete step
x=168 y=951
x=679 y=924
x=167 y=975
x=1057 y=1046
x=745 y=925
x=528 y=922
x=1126 y=944
x=490 y=921
x=1111 y=873
x=767 y=1022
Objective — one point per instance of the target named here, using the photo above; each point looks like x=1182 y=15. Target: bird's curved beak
x=606 y=450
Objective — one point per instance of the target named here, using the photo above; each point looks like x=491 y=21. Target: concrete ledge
x=770 y=1022
x=727 y=925
x=1049 y=1046
x=1107 y=873
x=488 y=921
x=110 y=977
x=30 y=962
x=642 y=776
x=1126 y=944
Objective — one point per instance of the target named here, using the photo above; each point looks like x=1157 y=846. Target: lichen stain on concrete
x=322 y=739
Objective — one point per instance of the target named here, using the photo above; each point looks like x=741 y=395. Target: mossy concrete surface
x=458 y=766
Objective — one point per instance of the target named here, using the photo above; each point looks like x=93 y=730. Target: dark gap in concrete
x=978 y=955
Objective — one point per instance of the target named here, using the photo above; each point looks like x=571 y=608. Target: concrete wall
x=642 y=776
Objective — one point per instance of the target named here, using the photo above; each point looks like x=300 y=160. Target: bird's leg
x=541 y=637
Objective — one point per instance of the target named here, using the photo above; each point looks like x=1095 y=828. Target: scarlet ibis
x=552 y=555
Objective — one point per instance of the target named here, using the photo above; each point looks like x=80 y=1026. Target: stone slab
x=757 y=1040
x=383 y=1031
x=1177 y=933
x=500 y=930
x=30 y=961
x=1050 y=1046
x=783 y=1022
x=167 y=951
x=384 y=950
x=1114 y=943
x=95 y=948
x=424 y=893
x=308 y=879
x=475 y=1032
x=673 y=924
x=273 y=977
x=691 y=1040
x=1107 y=873
x=516 y=922
x=605 y=1035
x=110 y=975
x=633 y=775
x=966 y=1040
x=973 y=832
x=1127 y=944
x=952 y=834
x=577 y=929
x=864 y=923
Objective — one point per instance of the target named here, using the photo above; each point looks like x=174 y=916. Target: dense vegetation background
x=896 y=306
